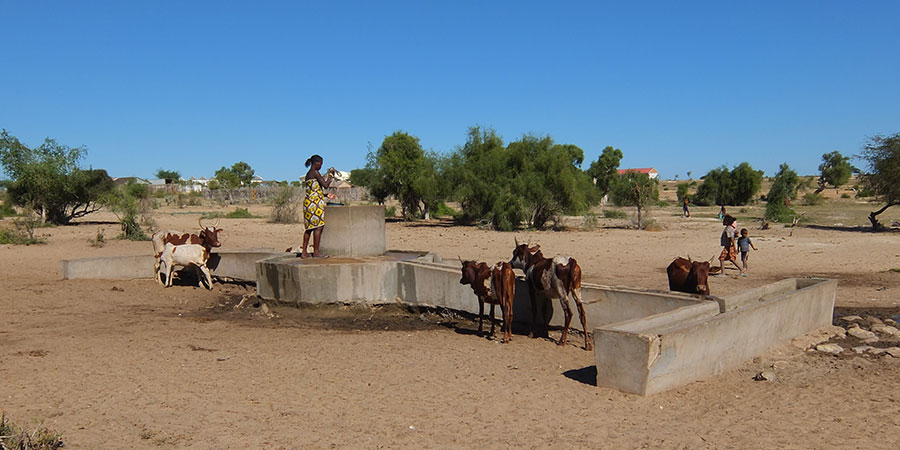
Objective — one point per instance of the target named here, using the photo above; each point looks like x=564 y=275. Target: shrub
x=845 y=195
x=99 y=240
x=6 y=210
x=614 y=214
x=812 y=198
x=239 y=213
x=863 y=193
x=390 y=211
x=284 y=206
x=590 y=221
x=16 y=437
x=442 y=210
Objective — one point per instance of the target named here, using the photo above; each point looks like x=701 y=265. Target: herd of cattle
x=190 y=250
x=546 y=278
x=556 y=278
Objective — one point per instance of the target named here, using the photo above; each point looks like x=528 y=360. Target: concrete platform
x=354 y=231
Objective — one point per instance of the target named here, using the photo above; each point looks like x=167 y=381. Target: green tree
x=168 y=175
x=482 y=181
x=125 y=203
x=835 y=170
x=784 y=189
x=683 y=189
x=729 y=187
x=604 y=169
x=401 y=168
x=239 y=174
x=48 y=179
x=882 y=154
x=369 y=178
x=635 y=189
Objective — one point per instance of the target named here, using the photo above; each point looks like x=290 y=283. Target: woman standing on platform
x=314 y=206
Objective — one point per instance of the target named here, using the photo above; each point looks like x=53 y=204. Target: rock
x=819 y=336
x=871 y=340
x=893 y=351
x=779 y=364
x=891 y=322
x=872 y=320
x=876 y=351
x=859 y=333
x=862 y=349
x=851 y=319
x=765 y=375
x=886 y=329
x=833 y=349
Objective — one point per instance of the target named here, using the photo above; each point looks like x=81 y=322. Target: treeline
x=528 y=182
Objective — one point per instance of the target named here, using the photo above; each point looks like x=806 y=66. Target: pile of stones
x=867 y=335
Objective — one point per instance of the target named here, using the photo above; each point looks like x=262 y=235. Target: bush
x=6 y=210
x=614 y=214
x=813 y=199
x=284 y=206
x=442 y=210
x=99 y=240
x=863 y=193
x=729 y=187
x=240 y=213
x=390 y=211
x=845 y=195
x=16 y=437
x=590 y=221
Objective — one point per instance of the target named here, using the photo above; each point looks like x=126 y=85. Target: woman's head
x=728 y=220
x=314 y=159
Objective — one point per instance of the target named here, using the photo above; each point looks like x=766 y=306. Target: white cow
x=185 y=255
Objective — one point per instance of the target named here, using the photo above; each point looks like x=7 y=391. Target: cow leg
x=507 y=321
x=480 y=315
x=567 y=313
x=492 y=319
x=208 y=276
x=588 y=343
x=169 y=275
x=533 y=297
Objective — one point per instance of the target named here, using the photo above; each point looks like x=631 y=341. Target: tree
x=882 y=153
x=635 y=189
x=172 y=175
x=604 y=169
x=835 y=170
x=783 y=190
x=49 y=180
x=240 y=174
x=683 y=189
x=729 y=187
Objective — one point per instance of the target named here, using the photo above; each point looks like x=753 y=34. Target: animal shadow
x=586 y=375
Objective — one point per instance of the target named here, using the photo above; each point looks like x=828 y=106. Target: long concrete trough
x=659 y=352
x=239 y=264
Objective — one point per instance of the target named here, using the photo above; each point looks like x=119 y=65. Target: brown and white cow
x=494 y=285
x=548 y=279
x=207 y=237
x=688 y=276
x=186 y=255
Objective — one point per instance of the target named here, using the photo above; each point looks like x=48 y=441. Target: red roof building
x=649 y=171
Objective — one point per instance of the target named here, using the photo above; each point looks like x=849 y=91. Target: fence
x=263 y=194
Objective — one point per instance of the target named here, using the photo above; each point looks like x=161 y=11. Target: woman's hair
x=744 y=230
x=728 y=219
x=313 y=159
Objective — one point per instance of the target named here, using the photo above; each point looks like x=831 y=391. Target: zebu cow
x=186 y=255
x=207 y=237
x=494 y=285
x=551 y=278
x=688 y=276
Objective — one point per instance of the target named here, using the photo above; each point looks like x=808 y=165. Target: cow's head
x=469 y=269
x=210 y=235
x=522 y=254
x=700 y=270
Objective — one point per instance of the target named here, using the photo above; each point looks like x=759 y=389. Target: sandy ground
x=129 y=364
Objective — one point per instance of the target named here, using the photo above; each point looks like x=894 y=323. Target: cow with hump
x=688 y=276
x=547 y=278
x=494 y=285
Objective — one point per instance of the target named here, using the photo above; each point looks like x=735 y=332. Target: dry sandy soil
x=129 y=364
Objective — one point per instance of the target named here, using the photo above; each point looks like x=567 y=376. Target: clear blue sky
x=193 y=86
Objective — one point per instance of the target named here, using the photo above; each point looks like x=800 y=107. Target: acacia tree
x=173 y=175
x=604 y=169
x=835 y=170
x=783 y=190
x=635 y=189
x=729 y=187
x=49 y=180
x=239 y=174
x=882 y=153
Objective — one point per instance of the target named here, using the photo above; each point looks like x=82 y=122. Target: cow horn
x=689 y=258
x=200 y=222
x=517 y=241
x=460 y=259
x=216 y=225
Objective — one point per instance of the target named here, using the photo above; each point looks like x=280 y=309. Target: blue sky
x=193 y=86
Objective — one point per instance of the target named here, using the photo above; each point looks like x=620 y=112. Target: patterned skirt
x=314 y=206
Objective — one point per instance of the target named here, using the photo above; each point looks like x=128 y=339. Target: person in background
x=744 y=245
x=684 y=208
x=729 y=252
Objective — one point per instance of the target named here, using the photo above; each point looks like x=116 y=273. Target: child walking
x=745 y=244
x=729 y=252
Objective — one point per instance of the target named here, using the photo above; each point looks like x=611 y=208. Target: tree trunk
x=639 y=221
x=876 y=225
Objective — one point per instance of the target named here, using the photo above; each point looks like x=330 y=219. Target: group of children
x=731 y=244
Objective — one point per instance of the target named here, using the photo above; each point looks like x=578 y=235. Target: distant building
x=649 y=171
